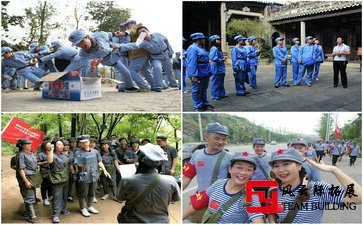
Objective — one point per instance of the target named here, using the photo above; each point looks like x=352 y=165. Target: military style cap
x=77 y=36
x=105 y=141
x=65 y=142
x=55 y=42
x=140 y=27
x=279 y=39
x=239 y=37
x=83 y=138
x=243 y=156
x=72 y=139
x=258 y=141
x=289 y=154
x=161 y=137
x=315 y=39
x=24 y=141
x=5 y=50
x=46 y=138
x=92 y=139
x=122 y=24
x=217 y=128
x=198 y=35
x=300 y=141
x=251 y=38
x=129 y=21
x=308 y=37
x=134 y=140
x=214 y=37
x=33 y=45
x=153 y=155
x=295 y=39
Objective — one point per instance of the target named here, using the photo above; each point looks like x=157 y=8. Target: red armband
x=189 y=170
x=199 y=200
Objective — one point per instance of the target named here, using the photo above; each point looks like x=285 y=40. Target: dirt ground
x=111 y=101
x=12 y=207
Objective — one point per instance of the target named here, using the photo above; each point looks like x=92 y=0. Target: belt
x=202 y=62
x=23 y=67
x=162 y=52
x=73 y=56
x=242 y=58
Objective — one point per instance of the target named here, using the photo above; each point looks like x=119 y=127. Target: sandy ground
x=12 y=207
x=111 y=101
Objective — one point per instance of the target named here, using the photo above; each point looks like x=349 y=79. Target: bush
x=266 y=52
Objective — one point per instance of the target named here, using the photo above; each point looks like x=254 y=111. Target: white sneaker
x=46 y=202
x=105 y=197
x=85 y=212
x=92 y=210
x=94 y=199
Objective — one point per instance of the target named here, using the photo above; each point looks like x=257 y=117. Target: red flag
x=17 y=129
x=337 y=131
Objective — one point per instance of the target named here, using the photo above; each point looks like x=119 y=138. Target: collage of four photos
x=172 y=111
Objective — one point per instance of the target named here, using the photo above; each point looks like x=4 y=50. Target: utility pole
x=200 y=127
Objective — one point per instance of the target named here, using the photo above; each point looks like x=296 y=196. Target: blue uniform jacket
x=319 y=53
x=63 y=52
x=252 y=55
x=295 y=53
x=306 y=52
x=122 y=40
x=158 y=46
x=239 y=57
x=280 y=53
x=20 y=60
x=103 y=50
x=216 y=56
x=184 y=57
x=198 y=62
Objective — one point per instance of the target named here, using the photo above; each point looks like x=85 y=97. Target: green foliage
x=241 y=130
x=8 y=20
x=39 y=21
x=266 y=52
x=353 y=129
x=107 y=15
x=248 y=27
x=322 y=127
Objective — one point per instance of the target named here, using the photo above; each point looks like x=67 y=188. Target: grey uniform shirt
x=171 y=153
x=42 y=157
x=154 y=209
x=88 y=173
x=60 y=161
x=27 y=162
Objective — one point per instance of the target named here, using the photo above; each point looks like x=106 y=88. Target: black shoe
x=198 y=110
x=277 y=86
x=335 y=85
x=247 y=92
x=286 y=85
x=296 y=85
x=244 y=94
x=132 y=90
x=208 y=108
x=25 y=88
x=37 y=89
x=157 y=89
x=345 y=86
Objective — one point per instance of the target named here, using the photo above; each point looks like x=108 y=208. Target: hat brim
x=244 y=160
x=284 y=158
x=219 y=132
x=82 y=141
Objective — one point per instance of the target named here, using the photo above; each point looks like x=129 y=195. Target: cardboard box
x=71 y=86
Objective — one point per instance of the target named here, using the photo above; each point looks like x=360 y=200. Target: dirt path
x=111 y=101
x=12 y=207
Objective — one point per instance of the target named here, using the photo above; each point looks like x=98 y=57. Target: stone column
x=302 y=32
x=223 y=27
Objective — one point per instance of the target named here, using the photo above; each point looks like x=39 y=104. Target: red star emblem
x=71 y=38
x=298 y=139
x=280 y=152
x=245 y=154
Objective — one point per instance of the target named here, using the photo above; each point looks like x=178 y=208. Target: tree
x=248 y=27
x=39 y=21
x=107 y=15
x=8 y=20
x=324 y=125
x=353 y=129
x=78 y=14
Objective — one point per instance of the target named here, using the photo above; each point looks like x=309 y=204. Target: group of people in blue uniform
x=200 y=66
x=223 y=179
x=138 y=67
x=87 y=164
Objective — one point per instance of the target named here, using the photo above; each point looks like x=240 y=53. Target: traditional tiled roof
x=301 y=9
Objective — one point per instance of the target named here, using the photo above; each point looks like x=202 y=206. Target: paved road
x=320 y=97
x=341 y=216
x=111 y=101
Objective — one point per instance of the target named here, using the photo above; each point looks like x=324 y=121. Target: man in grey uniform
x=153 y=207
x=87 y=160
x=168 y=168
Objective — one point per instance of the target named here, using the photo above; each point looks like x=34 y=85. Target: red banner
x=17 y=129
x=337 y=132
